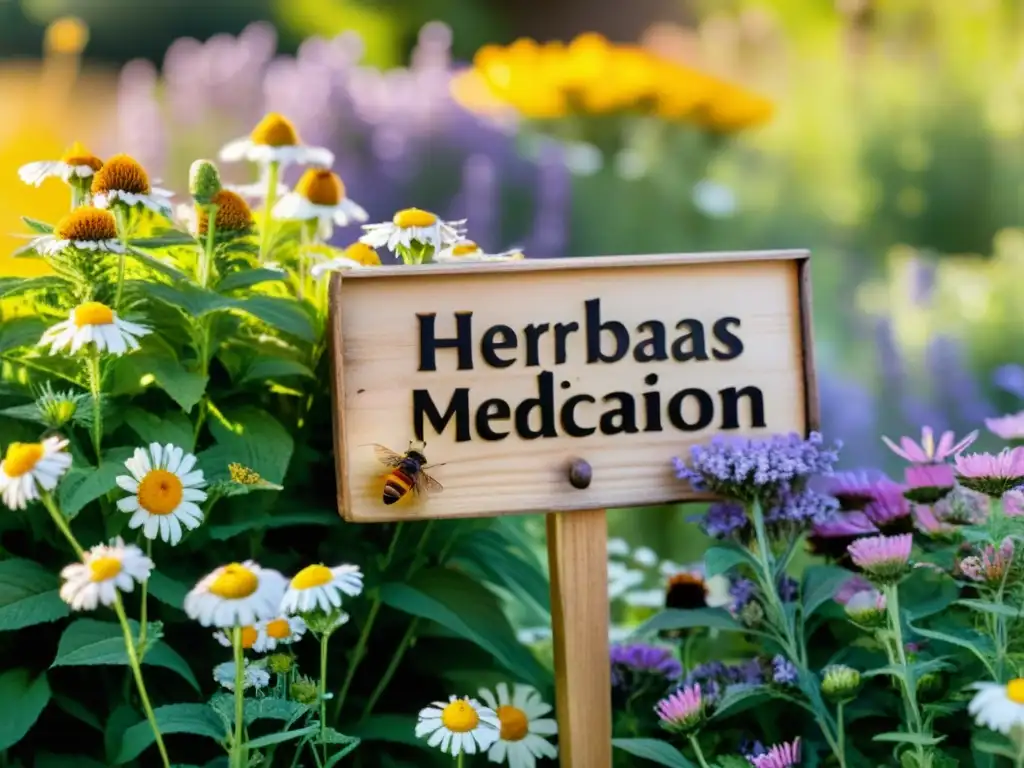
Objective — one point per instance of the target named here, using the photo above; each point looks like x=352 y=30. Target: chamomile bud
x=58 y=409
x=840 y=682
x=203 y=181
x=304 y=691
x=280 y=663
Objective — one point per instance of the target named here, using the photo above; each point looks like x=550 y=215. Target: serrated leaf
x=196 y=719
x=712 y=618
x=275 y=368
x=38 y=226
x=286 y=315
x=246 y=278
x=12 y=287
x=660 y=752
x=28 y=595
x=83 y=485
x=23 y=697
x=278 y=738
x=348 y=745
x=163 y=428
x=272 y=709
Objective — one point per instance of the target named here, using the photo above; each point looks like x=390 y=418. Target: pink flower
x=992 y=475
x=1009 y=427
x=1013 y=504
x=883 y=557
x=853 y=490
x=682 y=710
x=844 y=524
x=784 y=755
x=928 y=522
x=991 y=565
x=890 y=508
x=927 y=452
x=851 y=587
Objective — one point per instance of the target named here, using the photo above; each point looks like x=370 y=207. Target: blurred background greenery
x=892 y=146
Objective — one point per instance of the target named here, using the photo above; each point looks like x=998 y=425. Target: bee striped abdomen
x=397 y=485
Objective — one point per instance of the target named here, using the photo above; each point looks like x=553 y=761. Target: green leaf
x=193 y=301
x=184 y=386
x=265 y=368
x=87 y=642
x=272 y=709
x=285 y=315
x=991 y=743
x=167 y=590
x=78 y=711
x=50 y=760
x=24 y=698
x=738 y=699
x=12 y=287
x=998 y=609
x=396 y=729
x=157 y=265
x=978 y=644
x=901 y=737
x=720 y=558
x=246 y=278
x=28 y=595
x=712 y=618
x=19 y=332
x=83 y=485
x=660 y=752
x=38 y=226
x=165 y=238
x=493 y=557
x=283 y=520
x=164 y=427
x=278 y=738
x=820 y=585
x=27 y=412
x=249 y=436
x=925 y=593
x=348 y=745
x=196 y=719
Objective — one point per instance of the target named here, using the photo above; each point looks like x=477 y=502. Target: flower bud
x=840 y=682
x=867 y=608
x=203 y=181
x=304 y=691
x=280 y=663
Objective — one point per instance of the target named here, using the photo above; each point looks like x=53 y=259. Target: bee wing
x=426 y=484
x=387 y=456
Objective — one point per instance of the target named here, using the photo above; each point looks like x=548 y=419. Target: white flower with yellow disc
x=104 y=571
x=84 y=229
x=253 y=676
x=275 y=140
x=97 y=324
x=284 y=630
x=320 y=196
x=357 y=256
x=123 y=180
x=236 y=595
x=75 y=164
x=467 y=251
x=523 y=727
x=249 y=637
x=461 y=725
x=999 y=707
x=165 y=487
x=319 y=587
x=29 y=468
x=410 y=226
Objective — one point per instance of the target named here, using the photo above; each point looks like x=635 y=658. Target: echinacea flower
x=992 y=475
x=233 y=218
x=1010 y=427
x=96 y=324
x=255 y=677
x=317 y=587
x=997 y=706
x=681 y=711
x=320 y=196
x=74 y=166
x=165 y=487
x=882 y=557
x=105 y=570
x=275 y=140
x=523 y=727
x=991 y=565
x=29 y=469
x=639 y=660
x=236 y=595
x=928 y=451
x=123 y=180
x=784 y=755
x=356 y=256
x=84 y=229
x=413 y=227
x=460 y=726
x=467 y=251
x=284 y=630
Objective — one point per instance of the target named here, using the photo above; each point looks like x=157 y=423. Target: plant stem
x=460 y=760
x=121 y=218
x=78 y=194
x=697 y=751
x=273 y=171
x=841 y=734
x=95 y=389
x=144 y=609
x=206 y=261
x=403 y=646
x=238 y=756
x=61 y=522
x=908 y=685
x=133 y=662
x=323 y=691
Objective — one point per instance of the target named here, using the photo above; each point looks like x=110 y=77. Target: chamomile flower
x=522 y=726
x=275 y=140
x=357 y=256
x=29 y=468
x=317 y=586
x=104 y=571
x=97 y=324
x=411 y=226
x=999 y=707
x=75 y=164
x=461 y=725
x=237 y=594
x=467 y=251
x=123 y=180
x=284 y=630
x=165 y=487
x=250 y=634
x=84 y=229
x=252 y=676
x=320 y=196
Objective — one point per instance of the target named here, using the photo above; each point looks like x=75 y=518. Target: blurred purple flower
x=723 y=520
x=637 y=659
x=1010 y=378
x=784 y=672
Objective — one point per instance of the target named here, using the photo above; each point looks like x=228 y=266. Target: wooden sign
x=511 y=371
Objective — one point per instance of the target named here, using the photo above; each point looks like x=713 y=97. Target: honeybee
x=407 y=472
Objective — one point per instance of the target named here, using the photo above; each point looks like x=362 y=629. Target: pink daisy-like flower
x=1013 y=504
x=992 y=475
x=1010 y=427
x=928 y=522
x=784 y=755
x=890 y=510
x=854 y=490
x=883 y=557
x=681 y=711
x=851 y=587
x=928 y=451
x=928 y=483
x=991 y=565
x=844 y=524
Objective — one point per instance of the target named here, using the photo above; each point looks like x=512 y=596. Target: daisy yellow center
x=460 y=717
x=312 y=576
x=87 y=223
x=464 y=249
x=104 y=568
x=514 y=723
x=93 y=313
x=160 y=492
x=22 y=458
x=414 y=217
x=235 y=582
x=77 y=154
x=123 y=174
x=275 y=130
x=364 y=254
x=321 y=187
x=279 y=629
x=249 y=635
x=233 y=213
x=1015 y=690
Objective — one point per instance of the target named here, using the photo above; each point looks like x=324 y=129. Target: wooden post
x=578 y=561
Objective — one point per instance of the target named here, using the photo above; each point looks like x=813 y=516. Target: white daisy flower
x=999 y=707
x=165 y=488
x=252 y=676
x=284 y=630
x=621 y=579
x=97 y=324
x=75 y=164
x=250 y=634
x=237 y=594
x=413 y=225
x=123 y=180
x=461 y=725
x=467 y=252
x=317 y=586
x=320 y=196
x=618 y=547
x=275 y=140
x=522 y=726
x=29 y=468
x=83 y=229
x=357 y=256
x=104 y=571
x=645 y=556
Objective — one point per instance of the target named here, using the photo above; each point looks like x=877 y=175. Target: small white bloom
x=320 y=196
x=157 y=199
x=319 y=587
x=461 y=725
x=104 y=571
x=621 y=579
x=284 y=630
x=77 y=163
x=645 y=598
x=238 y=594
x=122 y=179
x=714 y=199
x=618 y=547
x=413 y=226
x=532 y=635
x=97 y=324
x=468 y=252
x=275 y=140
x=357 y=256
x=85 y=228
x=523 y=727
x=165 y=488
x=645 y=556
x=999 y=707
x=29 y=468
x=252 y=676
